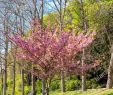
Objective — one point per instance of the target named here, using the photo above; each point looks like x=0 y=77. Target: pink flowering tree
x=52 y=52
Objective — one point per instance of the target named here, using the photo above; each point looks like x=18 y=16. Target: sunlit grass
x=102 y=91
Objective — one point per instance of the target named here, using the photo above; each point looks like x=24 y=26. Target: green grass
x=102 y=91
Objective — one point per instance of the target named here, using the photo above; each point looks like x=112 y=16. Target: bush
x=38 y=86
x=18 y=86
x=72 y=85
x=55 y=85
x=27 y=89
x=91 y=83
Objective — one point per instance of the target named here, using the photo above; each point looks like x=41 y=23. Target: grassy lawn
x=102 y=91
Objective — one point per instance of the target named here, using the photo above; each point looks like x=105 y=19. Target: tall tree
x=83 y=52
x=6 y=52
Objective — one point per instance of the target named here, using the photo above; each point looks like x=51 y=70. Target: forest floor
x=102 y=91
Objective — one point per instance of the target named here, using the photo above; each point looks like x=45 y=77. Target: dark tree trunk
x=33 y=82
x=62 y=82
x=29 y=79
x=22 y=76
x=43 y=87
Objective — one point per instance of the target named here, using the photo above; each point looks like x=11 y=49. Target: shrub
x=55 y=85
x=38 y=86
x=72 y=85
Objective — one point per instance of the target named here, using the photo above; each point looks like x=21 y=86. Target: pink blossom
x=52 y=51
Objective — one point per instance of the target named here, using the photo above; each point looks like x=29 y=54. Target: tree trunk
x=14 y=62
x=22 y=76
x=83 y=82
x=43 y=87
x=6 y=53
x=47 y=87
x=83 y=74
x=42 y=12
x=5 y=80
x=1 y=80
x=62 y=82
x=13 y=91
x=33 y=85
x=33 y=82
x=62 y=73
x=29 y=79
x=85 y=27
x=110 y=72
x=47 y=91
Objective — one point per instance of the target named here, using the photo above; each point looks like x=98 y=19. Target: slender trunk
x=35 y=9
x=62 y=82
x=22 y=76
x=84 y=82
x=33 y=85
x=1 y=81
x=110 y=72
x=6 y=53
x=14 y=62
x=5 y=79
x=1 y=76
x=33 y=82
x=61 y=16
x=85 y=27
x=29 y=79
x=13 y=91
x=42 y=12
x=62 y=73
x=43 y=87
x=83 y=74
x=47 y=89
